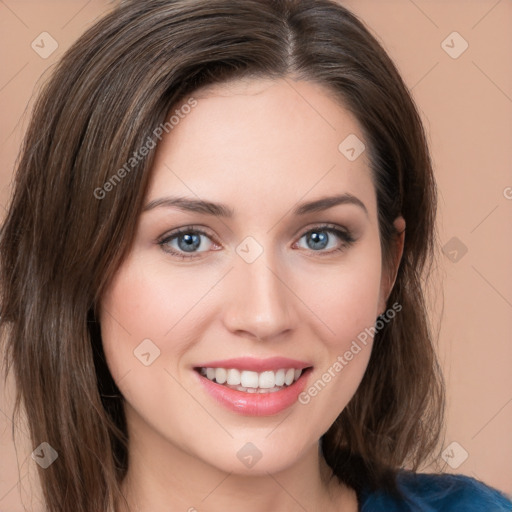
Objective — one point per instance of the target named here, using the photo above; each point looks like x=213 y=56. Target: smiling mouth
x=253 y=382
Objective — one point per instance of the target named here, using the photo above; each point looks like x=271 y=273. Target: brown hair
x=61 y=244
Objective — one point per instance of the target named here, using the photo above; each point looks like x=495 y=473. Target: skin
x=261 y=147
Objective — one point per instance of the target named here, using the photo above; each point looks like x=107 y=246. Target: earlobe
x=389 y=274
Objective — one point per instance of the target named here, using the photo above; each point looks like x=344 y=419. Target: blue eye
x=189 y=242
x=324 y=237
x=185 y=242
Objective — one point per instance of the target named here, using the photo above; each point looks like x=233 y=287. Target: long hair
x=63 y=238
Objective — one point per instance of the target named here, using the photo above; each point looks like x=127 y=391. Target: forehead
x=260 y=139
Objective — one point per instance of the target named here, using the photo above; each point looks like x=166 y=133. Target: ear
x=389 y=274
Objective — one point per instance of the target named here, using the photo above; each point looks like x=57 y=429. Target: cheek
x=349 y=302
x=346 y=303
x=144 y=303
x=149 y=319
x=346 y=298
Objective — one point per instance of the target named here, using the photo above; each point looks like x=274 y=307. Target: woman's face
x=200 y=329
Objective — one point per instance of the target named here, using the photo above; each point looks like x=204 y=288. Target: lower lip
x=255 y=404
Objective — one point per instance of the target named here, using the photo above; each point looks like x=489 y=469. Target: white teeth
x=253 y=382
x=221 y=375
x=290 y=375
x=249 y=379
x=280 y=377
x=233 y=377
x=267 y=380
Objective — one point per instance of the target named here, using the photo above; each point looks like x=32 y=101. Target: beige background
x=466 y=103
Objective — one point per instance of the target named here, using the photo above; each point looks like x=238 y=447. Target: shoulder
x=433 y=492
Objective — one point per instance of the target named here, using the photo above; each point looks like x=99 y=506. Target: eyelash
x=344 y=236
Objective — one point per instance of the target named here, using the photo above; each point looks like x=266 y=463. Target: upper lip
x=256 y=365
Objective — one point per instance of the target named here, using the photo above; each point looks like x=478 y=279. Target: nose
x=261 y=302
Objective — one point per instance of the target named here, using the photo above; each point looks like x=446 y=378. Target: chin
x=256 y=454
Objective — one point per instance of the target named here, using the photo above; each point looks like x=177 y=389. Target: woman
x=211 y=269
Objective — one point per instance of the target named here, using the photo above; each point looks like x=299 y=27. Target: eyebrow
x=222 y=210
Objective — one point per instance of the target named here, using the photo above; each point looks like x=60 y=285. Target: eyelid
x=194 y=228
x=327 y=226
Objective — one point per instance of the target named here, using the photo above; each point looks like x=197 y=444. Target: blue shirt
x=431 y=492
